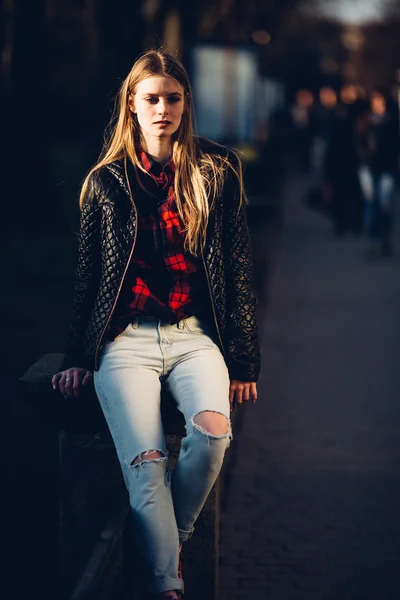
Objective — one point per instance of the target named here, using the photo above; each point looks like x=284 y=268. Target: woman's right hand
x=70 y=381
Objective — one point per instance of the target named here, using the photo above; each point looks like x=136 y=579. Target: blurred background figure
x=377 y=145
x=322 y=120
x=341 y=183
x=301 y=120
x=348 y=95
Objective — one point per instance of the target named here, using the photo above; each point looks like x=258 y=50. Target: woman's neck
x=160 y=150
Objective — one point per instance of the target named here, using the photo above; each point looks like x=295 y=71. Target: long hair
x=199 y=176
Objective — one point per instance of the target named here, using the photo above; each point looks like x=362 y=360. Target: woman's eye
x=171 y=100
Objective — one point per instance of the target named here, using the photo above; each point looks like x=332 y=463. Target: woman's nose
x=162 y=107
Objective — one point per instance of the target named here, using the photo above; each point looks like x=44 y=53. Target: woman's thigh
x=200 y=381
x=128 y=389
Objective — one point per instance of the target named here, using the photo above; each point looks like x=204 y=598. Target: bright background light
x=354 y=11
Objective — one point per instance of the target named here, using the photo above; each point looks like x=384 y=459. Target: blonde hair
x=199 y=175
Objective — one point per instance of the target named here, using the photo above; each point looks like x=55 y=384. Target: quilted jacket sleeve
x=87 y=278
x=241 y=334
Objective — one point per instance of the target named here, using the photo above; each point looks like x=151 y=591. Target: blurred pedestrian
x=341 y=174
x=163 y=297
x=377 y=143
x=322 y=119
x=318 y=195
x=303 y=137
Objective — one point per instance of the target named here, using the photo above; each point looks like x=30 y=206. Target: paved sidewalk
x=313 y=503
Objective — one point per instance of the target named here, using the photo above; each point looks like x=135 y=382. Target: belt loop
x=181 y=324
x=135 y=322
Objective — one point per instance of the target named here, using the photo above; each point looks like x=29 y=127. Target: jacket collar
x=119 y=170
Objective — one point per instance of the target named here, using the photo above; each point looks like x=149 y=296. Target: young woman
x=163 y=297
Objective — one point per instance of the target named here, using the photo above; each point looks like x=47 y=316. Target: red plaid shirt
x=163 y=280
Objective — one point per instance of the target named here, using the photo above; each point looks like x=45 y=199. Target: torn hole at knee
x=149 y=455
x=211 y=423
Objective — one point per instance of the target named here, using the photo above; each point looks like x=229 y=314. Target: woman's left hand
x=242 y=391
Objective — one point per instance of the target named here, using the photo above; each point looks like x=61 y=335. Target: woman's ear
x=131 y=103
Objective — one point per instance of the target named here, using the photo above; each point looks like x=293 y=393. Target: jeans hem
x=165 y=584
x=184 y=536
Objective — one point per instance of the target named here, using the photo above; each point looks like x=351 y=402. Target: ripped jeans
x=132 y=369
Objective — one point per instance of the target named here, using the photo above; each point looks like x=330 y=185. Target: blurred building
x=233 y=102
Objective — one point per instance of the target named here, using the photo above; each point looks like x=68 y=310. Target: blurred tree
x=380 y=57
x=376 y=60
x=232 y=21
x=306 y=52
x=216 y=21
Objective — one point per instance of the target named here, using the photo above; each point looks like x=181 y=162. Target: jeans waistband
x=136 y=321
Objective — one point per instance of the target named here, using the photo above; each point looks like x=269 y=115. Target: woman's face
x=378 y=104
x=158 y=103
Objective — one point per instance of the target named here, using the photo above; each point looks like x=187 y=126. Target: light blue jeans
x=132 y=369
x=378 y=190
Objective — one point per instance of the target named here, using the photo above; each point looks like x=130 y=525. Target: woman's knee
x=212 y=423
x=148 y=456
x=151 y=464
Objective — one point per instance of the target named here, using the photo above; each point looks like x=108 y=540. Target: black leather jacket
x=106 y=243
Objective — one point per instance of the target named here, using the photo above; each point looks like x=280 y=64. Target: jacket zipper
x=123 y=276
x=213 y=306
